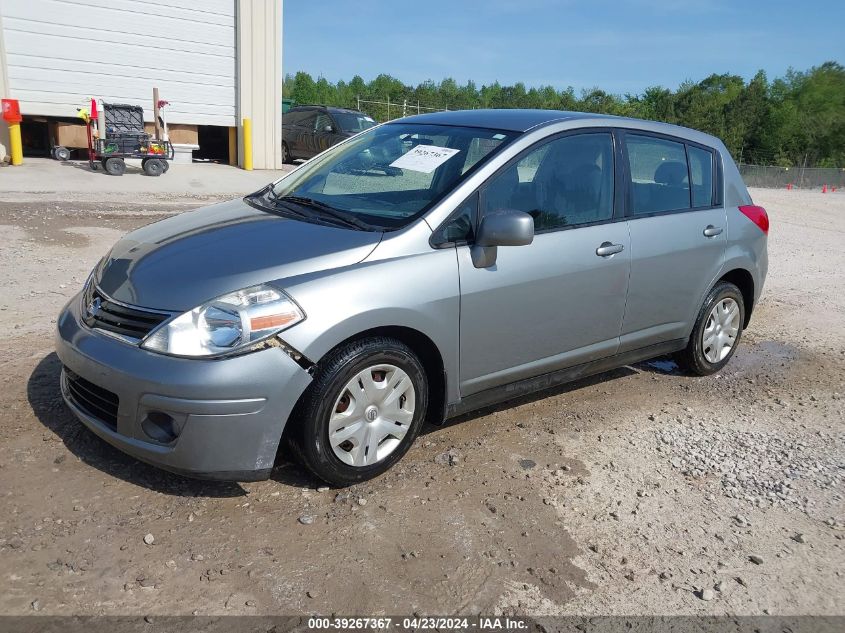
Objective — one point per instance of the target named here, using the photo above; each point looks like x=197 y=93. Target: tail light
x=757 y=215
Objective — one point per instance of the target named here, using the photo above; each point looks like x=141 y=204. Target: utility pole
x=155 y=114
x=802 y=170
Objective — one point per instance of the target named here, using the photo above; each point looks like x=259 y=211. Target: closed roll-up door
x=59 y=53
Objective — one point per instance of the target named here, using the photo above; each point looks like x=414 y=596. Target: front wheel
x=114 y=166
x=286 y=153
x=717 y=331
x=362 y=412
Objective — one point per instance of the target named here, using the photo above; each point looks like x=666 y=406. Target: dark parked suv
x=309 y=129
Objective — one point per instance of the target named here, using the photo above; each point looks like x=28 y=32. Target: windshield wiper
x=253 y=199
x=342 y=216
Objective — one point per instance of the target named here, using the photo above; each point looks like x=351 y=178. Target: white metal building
x=215 y=61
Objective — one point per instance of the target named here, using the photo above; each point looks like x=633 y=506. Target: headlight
x=226 y=324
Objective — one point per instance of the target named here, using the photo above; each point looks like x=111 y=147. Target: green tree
x=798 y=119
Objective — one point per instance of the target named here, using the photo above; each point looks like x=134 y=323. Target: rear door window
x=659 y=175
x=293 y=117
x=308 y=119
x=321 y=122
x=701 y=169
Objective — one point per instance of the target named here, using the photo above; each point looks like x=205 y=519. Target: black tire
x=61 y=153
x=286 y=158
x=309 y=435
x=693 y=358
x=166 y=164
x=153 y=166
x=114 y=166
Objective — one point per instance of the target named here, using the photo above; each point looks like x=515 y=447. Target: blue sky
x=621 y=46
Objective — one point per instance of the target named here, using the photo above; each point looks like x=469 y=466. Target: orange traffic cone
x=824 y=189
x=789 y=186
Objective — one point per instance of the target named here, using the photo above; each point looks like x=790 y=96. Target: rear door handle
x=609 y=248
x=712 y=231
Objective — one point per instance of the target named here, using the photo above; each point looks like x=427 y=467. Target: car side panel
x=419 y=291
x=747 y=245
x=746 y=249
x=673 y=264
x=547 y=305
x=301 y=139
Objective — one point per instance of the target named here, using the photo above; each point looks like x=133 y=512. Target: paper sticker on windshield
x=424 y=158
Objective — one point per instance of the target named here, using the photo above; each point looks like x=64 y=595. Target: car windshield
x=351 y=122
x=390 y=175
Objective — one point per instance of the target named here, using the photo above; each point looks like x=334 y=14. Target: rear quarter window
x=701 y=169
x=294 y=117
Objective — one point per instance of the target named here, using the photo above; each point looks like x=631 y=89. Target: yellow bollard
x=15 y=144
x=247 y=132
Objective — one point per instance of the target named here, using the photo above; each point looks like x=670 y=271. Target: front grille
x=95 y=401
x=98 y=311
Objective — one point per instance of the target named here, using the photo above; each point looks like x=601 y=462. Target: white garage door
x=59 y=53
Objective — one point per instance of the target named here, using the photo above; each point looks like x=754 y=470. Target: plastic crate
x=123 y=118
x=125 y=143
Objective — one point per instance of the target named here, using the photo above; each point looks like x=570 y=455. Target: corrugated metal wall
x=59 y=53
x=260 y=72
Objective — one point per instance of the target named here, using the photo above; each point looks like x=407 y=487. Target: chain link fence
x=387 y=110
x=799 y=177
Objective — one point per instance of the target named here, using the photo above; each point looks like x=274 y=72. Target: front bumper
x=228 y=414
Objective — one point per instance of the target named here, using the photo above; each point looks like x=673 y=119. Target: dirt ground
x=641 y=491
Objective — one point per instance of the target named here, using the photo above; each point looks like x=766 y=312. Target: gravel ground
x=640 y=491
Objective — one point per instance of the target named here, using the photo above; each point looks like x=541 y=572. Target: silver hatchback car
x=419 y=270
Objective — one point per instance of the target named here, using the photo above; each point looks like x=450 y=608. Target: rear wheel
x=286 y=153
x=153 y=166
x=114 y=166
x=717 y=331
x=61 y=153
x=363 y=411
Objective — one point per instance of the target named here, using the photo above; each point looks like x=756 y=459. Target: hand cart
x=125 y=138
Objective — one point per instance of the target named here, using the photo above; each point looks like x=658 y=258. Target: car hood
x=178 y=263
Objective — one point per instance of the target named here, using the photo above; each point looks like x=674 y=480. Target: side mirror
x=505 y=227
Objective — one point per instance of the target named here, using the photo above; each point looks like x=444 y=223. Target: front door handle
x=712 y=231
x=609 y=248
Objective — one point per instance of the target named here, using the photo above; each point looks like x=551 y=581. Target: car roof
x=514 y=120
x=518 y=120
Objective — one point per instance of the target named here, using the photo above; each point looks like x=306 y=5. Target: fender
x=418 y=292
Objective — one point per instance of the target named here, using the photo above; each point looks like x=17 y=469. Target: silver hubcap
x=721 y=330
x=372 y=415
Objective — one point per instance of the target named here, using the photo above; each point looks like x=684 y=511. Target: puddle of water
x=664 y=366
